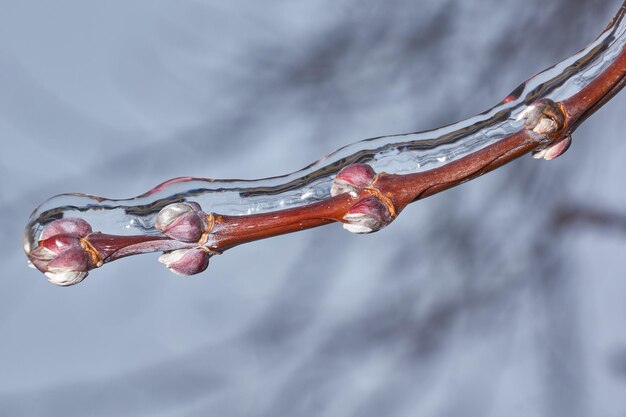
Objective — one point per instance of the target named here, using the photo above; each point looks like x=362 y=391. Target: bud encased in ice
x=543 y=116
x=70 y=226
x=68 y=268
x=185 y=222
x=62 y=258
x=352 y=178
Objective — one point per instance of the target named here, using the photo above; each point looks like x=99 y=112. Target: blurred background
x=501 y=297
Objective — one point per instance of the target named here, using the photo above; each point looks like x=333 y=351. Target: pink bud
x=186 y=261
x=182 y=221
x=62 y=258
x=68 y=268
x=71 y=226
x=554 y=150
x=55 y=245
x=367 y=216
x=352 y=178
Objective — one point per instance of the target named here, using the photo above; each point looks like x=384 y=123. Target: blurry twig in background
x=570 y=216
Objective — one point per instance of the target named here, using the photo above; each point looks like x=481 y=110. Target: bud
x=68 y=268
x=53 y=246
x=352 y=178
x=186 y=261
x=182 y=221
x=367 y=216
x=62 y=258
x=543 y=116
x=555 y=150
x=70 y=226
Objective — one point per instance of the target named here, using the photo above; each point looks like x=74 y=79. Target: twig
x=364 y=186
x=568 y=216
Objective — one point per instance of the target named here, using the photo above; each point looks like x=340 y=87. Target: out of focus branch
x=567 y=217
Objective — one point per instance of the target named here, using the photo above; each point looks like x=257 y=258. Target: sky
x=503 y=296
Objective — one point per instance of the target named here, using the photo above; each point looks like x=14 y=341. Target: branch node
x=373 y=210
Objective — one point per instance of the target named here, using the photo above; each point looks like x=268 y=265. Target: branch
x=364 y=185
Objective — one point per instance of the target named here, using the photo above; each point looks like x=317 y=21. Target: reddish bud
x=352 y=178
x=186 y=261
x=367 y=216
x=555 y=150
x=71 y=226
x=182 y=221
x=62 y=258
x=59 y=244
x=68 y=268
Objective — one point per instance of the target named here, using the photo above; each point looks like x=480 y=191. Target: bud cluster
x=185 y=222
x=369 y=214
x=61 y=251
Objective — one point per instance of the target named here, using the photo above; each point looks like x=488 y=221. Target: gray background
x=502 y=297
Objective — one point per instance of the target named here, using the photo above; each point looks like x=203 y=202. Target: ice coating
x=395 y=154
